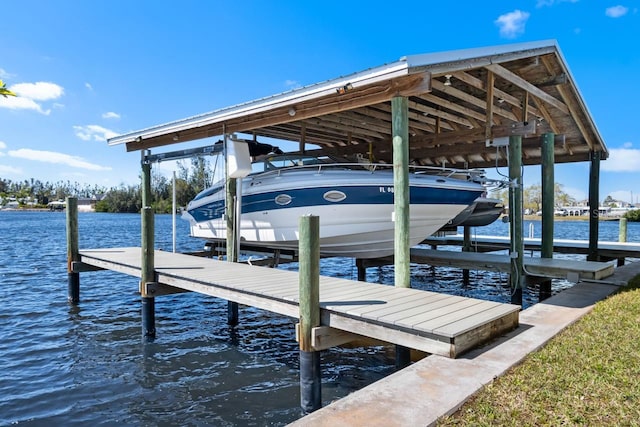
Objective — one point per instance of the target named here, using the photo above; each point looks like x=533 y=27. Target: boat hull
x=355 y=210
x=369 y=235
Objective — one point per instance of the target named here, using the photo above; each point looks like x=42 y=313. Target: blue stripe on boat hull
x=355 y=195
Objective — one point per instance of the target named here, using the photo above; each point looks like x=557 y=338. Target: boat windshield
x=270 y=163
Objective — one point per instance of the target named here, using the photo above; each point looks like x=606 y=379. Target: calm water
x=87 y=365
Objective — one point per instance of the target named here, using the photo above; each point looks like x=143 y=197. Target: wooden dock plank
x=460 y=326
x=543 y=267
x=408 y=303
x=436 y=323
x=571 y=246
x=354 y=304
x=421 y=321
x=399 y=315
x=379 y=311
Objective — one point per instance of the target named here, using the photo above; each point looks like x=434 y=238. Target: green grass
x=588 y=375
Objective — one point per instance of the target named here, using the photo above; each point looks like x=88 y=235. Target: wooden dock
x=609 y=250
x=430 y=322
x=534 y=266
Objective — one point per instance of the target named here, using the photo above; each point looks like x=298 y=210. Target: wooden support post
x=622 y=230
x=594 y=204
x=309 y=284
x=362 y=270
x=466 y=247
x=402 y=254
x=232 y=244
x=148 y=259
x=73 y=254
x=515 y=219
x=548 y=205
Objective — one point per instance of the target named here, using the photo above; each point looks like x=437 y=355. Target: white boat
x=354 y=202
x=483 y=211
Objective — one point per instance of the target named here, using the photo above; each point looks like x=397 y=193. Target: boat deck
x=427 y=321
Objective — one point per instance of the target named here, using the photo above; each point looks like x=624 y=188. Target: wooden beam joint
x=324 y=337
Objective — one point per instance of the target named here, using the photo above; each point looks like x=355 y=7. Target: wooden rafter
x=525 y=85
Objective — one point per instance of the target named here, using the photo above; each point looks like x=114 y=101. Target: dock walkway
x=610 y=250
x=435 y=323
x=534 y=266
x=436 y=386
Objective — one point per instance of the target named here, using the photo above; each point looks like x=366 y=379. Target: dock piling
x=466 y=247
x=233 y=188
x=548 y=204
x=622 y=230
x=309 y=284
x=73 y=254
x=516 y=251
x=594 y=204
x=147 y=234
x=402 y=255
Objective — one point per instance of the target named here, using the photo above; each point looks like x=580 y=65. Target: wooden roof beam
x=498 y=93
x=574 y=111
x=505 y=74
x=476 y=148
x=477 y=134
x=412 y=85
x=480 y=103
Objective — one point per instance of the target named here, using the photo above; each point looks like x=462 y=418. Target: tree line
x=532 y=197
x=190 y=180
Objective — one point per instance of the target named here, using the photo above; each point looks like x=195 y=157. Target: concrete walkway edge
x=436 y=386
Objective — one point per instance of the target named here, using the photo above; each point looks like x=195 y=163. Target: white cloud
x=39 y=91
x=31 y=95
x=88 y=86
x=292 y=84
x=110 y=115
x=576 y=193
x=627 y=144
x=93 y=132
x=622 y=160
x=622 y=195
x=2 y=145
x=10 y=170
x=512 y=24
x=616 y=11
x=20 y=103
x=56 y=158
x=542 y=3
x=4 y=74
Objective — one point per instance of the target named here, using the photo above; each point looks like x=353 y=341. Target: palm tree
x=4 y=91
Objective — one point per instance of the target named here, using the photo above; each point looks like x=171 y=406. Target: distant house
x=57 y=205
x=85 y=204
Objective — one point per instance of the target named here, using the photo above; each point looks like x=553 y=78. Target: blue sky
x=88 y=70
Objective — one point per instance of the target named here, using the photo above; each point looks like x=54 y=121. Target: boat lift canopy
x=463 y=105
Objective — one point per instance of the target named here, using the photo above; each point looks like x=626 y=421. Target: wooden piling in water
x=73 y=254
x=594 y=204
x=147 y=274
x=622 y=230
x=466 y=247
x=231 y=190
x=309 y=284
x=548 y=204
x=402 y=255
x=516 y=278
